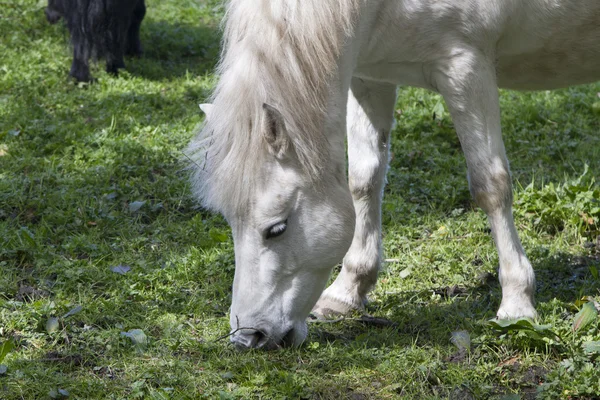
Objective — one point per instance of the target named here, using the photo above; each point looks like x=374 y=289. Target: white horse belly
x=548 y=69
x=547 y=49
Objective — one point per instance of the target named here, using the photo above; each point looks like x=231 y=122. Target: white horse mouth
x=248 y=339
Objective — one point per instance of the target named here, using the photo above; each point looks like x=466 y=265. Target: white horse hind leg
x=468 y=84
x=370 y=118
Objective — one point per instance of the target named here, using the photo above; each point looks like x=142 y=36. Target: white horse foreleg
x=468 y=84
x=370 y=118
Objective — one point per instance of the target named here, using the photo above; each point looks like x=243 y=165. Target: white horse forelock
x=279 y=52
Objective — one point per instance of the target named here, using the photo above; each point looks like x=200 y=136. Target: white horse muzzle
x=245 y=339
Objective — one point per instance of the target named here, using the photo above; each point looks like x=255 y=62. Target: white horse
x=298 y=77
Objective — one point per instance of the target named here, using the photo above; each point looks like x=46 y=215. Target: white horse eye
x=276 y=230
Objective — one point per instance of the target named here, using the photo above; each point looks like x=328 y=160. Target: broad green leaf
x=592 y=347
x=138 y=337
x=580 y=302
x=461 y=339
x=6 y=348
x=217 y=236
x=52 y=325
x=27 y=236
x=585 y=316
x=135 y=206
x=525 y=325
x=58 y=393
x=517 y=324
x=594 y=272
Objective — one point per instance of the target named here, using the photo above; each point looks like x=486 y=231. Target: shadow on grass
x=559 y=276
x=175 y=50
x=170 y=50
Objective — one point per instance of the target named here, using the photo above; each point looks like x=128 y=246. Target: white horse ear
x=207 y=109
x=275 y=132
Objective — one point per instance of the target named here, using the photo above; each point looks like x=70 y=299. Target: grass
x=91 y=182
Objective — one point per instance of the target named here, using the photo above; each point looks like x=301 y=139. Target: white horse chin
x=297 y=336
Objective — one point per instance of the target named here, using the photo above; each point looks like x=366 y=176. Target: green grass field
x=114 y=285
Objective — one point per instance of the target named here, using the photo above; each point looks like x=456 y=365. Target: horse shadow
x=407 y=321
x=175 y=50
x=407 y=316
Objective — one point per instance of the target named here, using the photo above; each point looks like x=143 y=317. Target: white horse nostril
x=249 y=339
x=255 y=339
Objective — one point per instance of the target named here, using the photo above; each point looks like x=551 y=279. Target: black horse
x=100 y=29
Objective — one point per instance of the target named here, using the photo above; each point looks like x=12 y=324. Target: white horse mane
x=279 y=52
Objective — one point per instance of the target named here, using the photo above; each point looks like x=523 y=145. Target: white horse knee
x=491 y=187
x=364 y=176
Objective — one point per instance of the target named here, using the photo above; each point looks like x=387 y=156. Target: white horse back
x=535 y=44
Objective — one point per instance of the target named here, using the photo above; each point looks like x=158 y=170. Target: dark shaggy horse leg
x=80 y=69
x=114 y=62
x=115 y=45
x=134 y=45
x=123 y=34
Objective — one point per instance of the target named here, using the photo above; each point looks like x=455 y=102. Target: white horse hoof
x=516 y=310
x=330 y=308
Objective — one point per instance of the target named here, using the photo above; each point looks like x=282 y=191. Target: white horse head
x=289 y=232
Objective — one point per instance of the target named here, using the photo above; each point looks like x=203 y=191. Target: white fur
x=316 y=61
x=297 y=45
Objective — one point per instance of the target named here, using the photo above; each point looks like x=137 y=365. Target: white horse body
x=534 y=45
x=289 y=207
